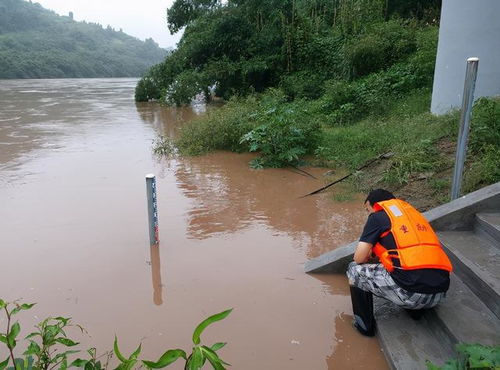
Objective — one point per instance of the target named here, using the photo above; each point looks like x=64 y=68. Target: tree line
x=242 y=46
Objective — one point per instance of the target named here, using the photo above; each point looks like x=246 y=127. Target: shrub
x=282 y=132
x=283 y=139
x=303 y=84
x=185 y=87
x=220 y=129
x=146 y=90
x=484 y=169
x=485 y=125
x=380 y=46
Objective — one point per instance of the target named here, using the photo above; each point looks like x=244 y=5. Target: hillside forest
x=38 y=43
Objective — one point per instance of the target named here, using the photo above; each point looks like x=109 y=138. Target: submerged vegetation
x=334 y=82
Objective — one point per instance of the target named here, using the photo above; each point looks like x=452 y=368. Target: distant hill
x=38 y=43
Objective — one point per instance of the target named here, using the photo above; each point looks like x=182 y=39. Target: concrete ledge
x=455 y=215
x=459 y=214
x=333 y=261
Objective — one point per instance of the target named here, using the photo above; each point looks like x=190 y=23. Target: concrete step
x=475 y=260
x=489 y=223
x=461 y=317
x=407 y=343
x=465 y=317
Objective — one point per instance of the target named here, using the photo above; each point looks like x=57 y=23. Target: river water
x=74 y=239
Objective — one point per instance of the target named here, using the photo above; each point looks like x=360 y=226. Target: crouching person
x=412 y=271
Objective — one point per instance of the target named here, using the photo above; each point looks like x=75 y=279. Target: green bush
x=185 y=87
x=484 y=169
x=283 y=139
x=282 y=132
x=146 y=90
x=220 y=129
x=303 y=84
x=485 y=125
x=382 y=45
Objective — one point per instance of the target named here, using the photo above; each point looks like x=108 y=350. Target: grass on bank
x=287 y=132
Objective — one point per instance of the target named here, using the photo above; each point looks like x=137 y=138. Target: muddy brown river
x=74 y=236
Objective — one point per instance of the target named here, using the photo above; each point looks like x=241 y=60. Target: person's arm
x=363 y=252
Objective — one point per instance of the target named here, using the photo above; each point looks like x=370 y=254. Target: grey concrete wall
x=469 y=28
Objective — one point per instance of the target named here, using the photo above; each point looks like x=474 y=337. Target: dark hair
x=378 y=195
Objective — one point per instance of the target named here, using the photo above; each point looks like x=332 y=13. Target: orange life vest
x=417 y=244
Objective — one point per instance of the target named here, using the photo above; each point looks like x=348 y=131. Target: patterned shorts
x=376 y=279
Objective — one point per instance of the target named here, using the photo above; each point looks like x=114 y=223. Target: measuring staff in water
x=412 y=271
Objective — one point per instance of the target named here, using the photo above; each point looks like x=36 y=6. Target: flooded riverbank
x=73 y=155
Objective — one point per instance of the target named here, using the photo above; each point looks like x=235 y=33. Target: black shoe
x=363 y=331
x=415 y=314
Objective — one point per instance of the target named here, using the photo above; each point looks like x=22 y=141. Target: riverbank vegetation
x=38 y=43
x=335 y=83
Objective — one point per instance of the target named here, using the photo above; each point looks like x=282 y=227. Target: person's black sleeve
x=373 y=229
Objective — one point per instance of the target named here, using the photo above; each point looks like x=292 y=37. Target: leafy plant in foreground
x=47 y=347
x=44 y=350
x=471 y=356
x=200 y=353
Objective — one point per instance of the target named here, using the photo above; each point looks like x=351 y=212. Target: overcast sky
x=142 y=19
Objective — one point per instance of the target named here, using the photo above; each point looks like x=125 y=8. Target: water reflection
x=228 y=196
x=352 y=350
x=156 y=274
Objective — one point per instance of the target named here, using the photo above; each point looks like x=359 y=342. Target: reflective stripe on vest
x=417 y=245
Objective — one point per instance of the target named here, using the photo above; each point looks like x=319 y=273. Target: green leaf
x=2 y=304
x=166 y=359
x=64 y=364
x=215 y=347
x=3 y=338
x=213 y=358
x=78 y=363
x=128 y=365
x=25 y=306
x=67 y=342
x=11 y=336
x=28 y=362
x=4 y=364
x=14 y=331
x=208 y=350
x=202 y=326
x=92 y=352
x=33 y=348
x=136 y=353
x=31 y=335
x=63 y=355
x=64 y=320
x=196 y=359
x=50 y=333
x=117 y=351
